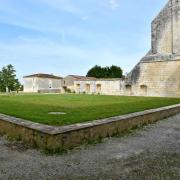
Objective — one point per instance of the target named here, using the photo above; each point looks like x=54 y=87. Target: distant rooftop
x=84 y=78
x=99 y=79
x=41 y=75
x=77 y=77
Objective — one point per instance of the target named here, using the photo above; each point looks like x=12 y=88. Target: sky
x=64 y=37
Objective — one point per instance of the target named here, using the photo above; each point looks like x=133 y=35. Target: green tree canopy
x=8 y=80
x=105 y=72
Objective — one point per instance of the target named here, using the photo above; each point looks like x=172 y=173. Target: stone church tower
x=158 y=73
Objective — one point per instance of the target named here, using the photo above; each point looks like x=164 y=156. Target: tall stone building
x=158 y=73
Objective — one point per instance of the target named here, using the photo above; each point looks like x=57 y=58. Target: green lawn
x=79 y=108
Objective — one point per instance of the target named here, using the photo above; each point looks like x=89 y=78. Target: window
x=98 y=88
x=143 y=90
x=128 y=89
x=78 y=87
x=50 y=84
x=88 y=88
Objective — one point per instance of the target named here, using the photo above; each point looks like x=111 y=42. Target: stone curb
x=66 y=137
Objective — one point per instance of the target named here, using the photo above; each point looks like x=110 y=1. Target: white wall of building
x=36 y=84
x=106 y=87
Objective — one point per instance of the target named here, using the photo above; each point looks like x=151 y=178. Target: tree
x=8 y=80
x=96 y=71
x=105 y=72
x=1 y=83
x=17 y=86
x=115 y=72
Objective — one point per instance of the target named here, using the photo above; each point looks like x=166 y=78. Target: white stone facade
x=68 y=82
x=100 y=86
x=42 y=83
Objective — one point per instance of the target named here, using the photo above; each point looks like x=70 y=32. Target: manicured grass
x=79 y=108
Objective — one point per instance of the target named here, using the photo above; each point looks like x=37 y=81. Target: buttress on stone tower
x=158 y=73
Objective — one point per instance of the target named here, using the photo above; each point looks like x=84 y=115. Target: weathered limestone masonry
x=61 y=138
x=113 y=86
x=158 y=73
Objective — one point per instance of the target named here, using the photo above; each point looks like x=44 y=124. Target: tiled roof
x=41 y=75
x=82 y=77
x=109 y=79
x=99 y=79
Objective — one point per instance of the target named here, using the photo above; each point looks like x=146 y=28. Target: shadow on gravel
x=165 y=166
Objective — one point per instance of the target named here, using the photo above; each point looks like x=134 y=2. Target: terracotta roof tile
x=41 y=75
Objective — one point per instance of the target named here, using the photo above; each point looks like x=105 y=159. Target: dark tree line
x=8 y=80
x=105 y=72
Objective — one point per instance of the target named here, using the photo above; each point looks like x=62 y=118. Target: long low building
x=100 y=86
x=46 y=83
x=42 y=83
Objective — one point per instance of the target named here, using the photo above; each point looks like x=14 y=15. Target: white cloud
x=84 y=18
x=66 y=5
x=50 y=57
x=76 y=48
x=114 y=4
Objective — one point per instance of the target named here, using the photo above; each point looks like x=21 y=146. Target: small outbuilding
x=68 y=82
x=42 y=83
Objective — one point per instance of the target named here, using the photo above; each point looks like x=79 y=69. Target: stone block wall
x=158 y=73
x=157 y=78
x=99 y=86
x=166 y=28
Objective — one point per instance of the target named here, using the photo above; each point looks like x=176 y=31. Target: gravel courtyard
x=149 y=153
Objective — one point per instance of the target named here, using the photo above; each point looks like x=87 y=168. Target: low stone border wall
x=67 y=137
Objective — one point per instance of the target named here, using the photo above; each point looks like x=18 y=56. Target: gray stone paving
x=150 y=153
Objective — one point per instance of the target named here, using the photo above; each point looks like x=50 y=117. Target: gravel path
x=150 y=153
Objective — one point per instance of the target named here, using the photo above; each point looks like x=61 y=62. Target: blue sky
x=70 y=36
